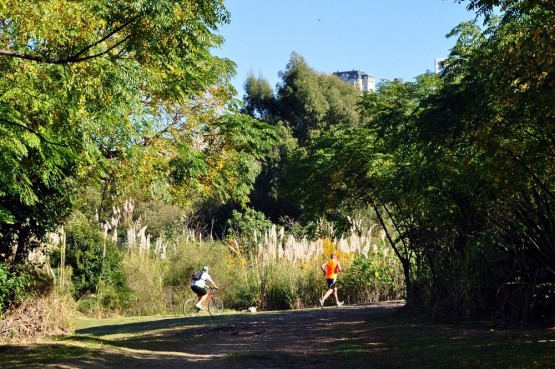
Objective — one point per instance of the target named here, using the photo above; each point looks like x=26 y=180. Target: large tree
x=310 y=102
x=459 y=171
x=306 y=103
x=503 y=80
x=114 y=92
x=259 y=98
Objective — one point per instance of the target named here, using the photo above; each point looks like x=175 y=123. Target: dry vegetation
x=36 y=318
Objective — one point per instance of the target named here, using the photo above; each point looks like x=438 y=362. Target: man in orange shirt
x=330 y=269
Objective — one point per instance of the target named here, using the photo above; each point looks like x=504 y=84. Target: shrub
x=13 y=287
x=95 y=264
x=371 y=279
x=244 y=226
x=163 y=219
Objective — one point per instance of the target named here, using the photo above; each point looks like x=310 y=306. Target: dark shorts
x=199 y=290
x=332 y=283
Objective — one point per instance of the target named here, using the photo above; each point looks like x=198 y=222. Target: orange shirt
x=332 y=267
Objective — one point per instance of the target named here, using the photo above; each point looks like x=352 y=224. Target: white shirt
x=205 y=277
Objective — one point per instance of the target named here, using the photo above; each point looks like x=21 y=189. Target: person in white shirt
x=198 y=286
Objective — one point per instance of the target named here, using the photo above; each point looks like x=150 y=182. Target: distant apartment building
x=358 y=79
x=439 y=66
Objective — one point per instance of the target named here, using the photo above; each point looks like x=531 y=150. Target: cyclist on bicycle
x=198 y=286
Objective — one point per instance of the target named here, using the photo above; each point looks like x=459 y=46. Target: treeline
x=103 y=102
x=458 y=168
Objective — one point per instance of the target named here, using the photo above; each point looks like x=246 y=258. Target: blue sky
x=385 y=38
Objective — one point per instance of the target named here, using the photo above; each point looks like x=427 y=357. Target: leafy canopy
x=90 y=89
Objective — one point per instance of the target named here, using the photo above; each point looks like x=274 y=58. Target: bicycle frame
x=210 y=295
x=213 y=303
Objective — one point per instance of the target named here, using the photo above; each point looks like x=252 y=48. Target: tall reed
x=275 y=271
x=286 y=272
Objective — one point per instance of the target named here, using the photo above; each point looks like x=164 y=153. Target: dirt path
x=374 y=336
x=293 y=339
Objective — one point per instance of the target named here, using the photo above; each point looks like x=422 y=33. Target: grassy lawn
x=402 y=342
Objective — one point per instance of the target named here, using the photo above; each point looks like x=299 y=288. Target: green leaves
x=310 y=102
x=460 y=167
x=259 y=98
x=82 y=83
x=13 y=287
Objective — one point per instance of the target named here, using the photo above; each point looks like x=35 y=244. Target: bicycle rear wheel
x=189 y=308
x=216 y=306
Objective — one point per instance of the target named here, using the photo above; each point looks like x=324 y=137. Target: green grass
x=402 y=342
x=261 y=358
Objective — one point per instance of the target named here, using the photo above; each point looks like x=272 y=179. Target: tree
x=102 y=89
x=373 y=166
x=259 y=98
x=486 y=6
x=506 y=83
x=458 y=171
x=466 y=163
x=306 y=104
x=310 y=102
x=226 y=168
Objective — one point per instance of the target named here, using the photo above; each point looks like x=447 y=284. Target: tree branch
x=116 y=30
x=535 y=178
x=33 y=132
x=75 y=58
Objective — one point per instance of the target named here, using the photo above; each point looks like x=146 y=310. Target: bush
x=163 y=220
x=95 y=263
x=372 y=279
x=243 y=227
x=13 y=287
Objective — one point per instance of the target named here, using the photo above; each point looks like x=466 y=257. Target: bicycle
x=214 y=303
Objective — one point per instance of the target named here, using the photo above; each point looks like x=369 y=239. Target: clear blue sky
x=385 y=38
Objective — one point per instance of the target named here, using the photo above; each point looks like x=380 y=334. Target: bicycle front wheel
x=189 y=308
x=216 y=306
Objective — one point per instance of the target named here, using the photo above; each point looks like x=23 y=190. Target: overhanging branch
x=41 y=137
x=77 y=57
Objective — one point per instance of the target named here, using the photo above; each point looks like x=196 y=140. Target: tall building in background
x=439 y=65
x=358 y=79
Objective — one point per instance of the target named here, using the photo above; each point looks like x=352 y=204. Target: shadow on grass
x=353 y=337
x=120 y=327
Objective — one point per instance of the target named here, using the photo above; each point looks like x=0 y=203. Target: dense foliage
x=12 y=286
x=125 y=97
x=91 y=261
x=118 y=100
x=457 y=168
